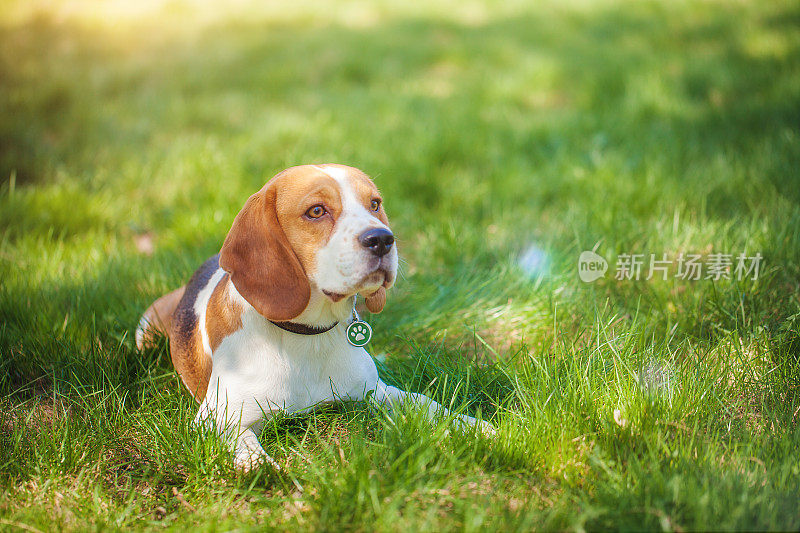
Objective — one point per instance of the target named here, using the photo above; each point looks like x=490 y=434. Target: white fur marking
x=236 y=298
x=343 y=264
x=339 y=174
x=201 y=304
x=140 y=329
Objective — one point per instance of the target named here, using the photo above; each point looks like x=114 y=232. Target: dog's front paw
x=246 y=462
x=467 y=422
x=249 y=457
x=487 y=429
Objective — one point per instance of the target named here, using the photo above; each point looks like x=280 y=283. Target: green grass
x=639 y=127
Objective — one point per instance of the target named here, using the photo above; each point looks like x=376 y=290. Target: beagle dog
x=261 y=327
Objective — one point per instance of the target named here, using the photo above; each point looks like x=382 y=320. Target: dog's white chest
x=265 y=369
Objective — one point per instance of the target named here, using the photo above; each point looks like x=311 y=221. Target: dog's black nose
x=379 y=241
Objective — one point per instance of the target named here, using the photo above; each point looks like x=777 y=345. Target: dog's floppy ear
x=261 y=262
x=376 y=301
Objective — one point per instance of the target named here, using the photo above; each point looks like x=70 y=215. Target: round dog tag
x=359 y=333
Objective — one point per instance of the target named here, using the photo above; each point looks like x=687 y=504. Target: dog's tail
x=157 y=319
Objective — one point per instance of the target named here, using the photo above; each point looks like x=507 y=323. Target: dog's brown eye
x=315 y=211
x=375 y=205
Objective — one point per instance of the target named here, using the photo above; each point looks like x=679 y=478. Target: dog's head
x=312 y=230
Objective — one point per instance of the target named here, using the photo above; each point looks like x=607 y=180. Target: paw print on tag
x=359 y=333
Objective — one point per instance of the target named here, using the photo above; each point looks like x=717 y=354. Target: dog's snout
x=378 y=241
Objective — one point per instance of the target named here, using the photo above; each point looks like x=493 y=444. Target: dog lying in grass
x=262 y=327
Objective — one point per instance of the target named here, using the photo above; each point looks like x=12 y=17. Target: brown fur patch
x=185 y=343
x=298 y=190
x=223 y=317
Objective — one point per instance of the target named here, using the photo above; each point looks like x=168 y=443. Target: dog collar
x=359 y=333
x=302 y=329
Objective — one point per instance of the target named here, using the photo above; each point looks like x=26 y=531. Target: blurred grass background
x=131 y=134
